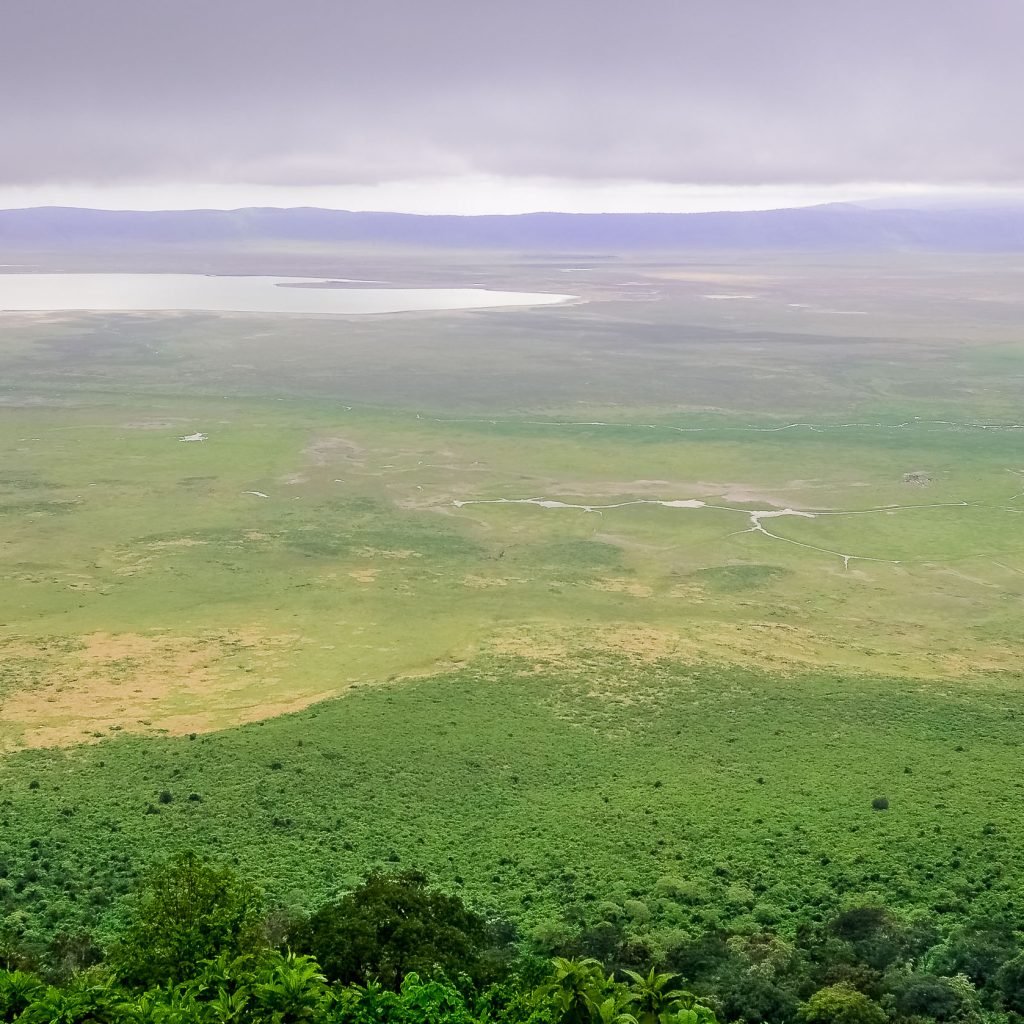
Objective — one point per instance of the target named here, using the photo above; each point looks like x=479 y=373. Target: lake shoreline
x=242 y=294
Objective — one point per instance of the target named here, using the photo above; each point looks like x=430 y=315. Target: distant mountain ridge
x=836 y=226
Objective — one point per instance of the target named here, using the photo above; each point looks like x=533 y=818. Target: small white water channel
x=754 y=517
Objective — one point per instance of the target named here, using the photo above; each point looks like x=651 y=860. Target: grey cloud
x=318 y=92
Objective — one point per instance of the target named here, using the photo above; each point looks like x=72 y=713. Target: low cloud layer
x=316 y=92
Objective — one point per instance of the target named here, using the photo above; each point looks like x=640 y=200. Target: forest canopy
x=197 y=942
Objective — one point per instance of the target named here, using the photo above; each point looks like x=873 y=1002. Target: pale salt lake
x=209 y=293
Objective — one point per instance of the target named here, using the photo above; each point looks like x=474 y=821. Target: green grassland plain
x=341 y=630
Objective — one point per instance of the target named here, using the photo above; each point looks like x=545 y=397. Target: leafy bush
x=389 y=926
x=841 y=1004
x=188 y=911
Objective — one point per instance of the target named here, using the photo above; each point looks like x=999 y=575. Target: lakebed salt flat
x=654 y=500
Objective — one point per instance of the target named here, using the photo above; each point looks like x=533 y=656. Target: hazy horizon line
x=487 y=196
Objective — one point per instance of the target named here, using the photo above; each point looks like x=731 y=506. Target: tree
x=431 y=1002
x=841 y=1004
x=160 y=1007
x=578 y=992
x=85 y=1001
x=290 y=989
x=862 y=924
x=754 y=996
x=654 y=996
x=71 y=952
x=17 y=990
x=878 y=938
x=977 y=949
x=1010 y=984
x=613 y=1009
x=702 y=957
x=391 y=925
x=188 y=911
x=943 y=999
x=574 y=990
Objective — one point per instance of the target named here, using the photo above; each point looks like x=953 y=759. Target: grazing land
x=646 y=596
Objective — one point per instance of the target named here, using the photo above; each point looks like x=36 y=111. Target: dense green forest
x=196 y=942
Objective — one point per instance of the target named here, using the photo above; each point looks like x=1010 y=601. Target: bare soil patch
x=367 y=575
x=475 y=582
x=327 y=451
x=400 y=553
x=730 y=492
x=623 y=586
x=917 y=478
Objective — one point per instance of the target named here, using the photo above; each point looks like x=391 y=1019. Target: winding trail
x=754 y=516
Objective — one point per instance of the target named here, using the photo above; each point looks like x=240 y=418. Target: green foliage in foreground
x=279 y=988
x=867 y=966
x=189 y=912
x=194 y=949
x=393 y=926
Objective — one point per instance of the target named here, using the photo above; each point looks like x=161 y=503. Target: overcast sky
x=506 y=104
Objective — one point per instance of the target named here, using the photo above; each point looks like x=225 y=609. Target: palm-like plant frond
x=655 y=996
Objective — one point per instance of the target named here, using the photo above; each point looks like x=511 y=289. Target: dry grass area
x=632 y=588
x=365 y=575
x=750 y=646
x=83 y=689
x=150 y=682
x=477 y=582
x=780 y=648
